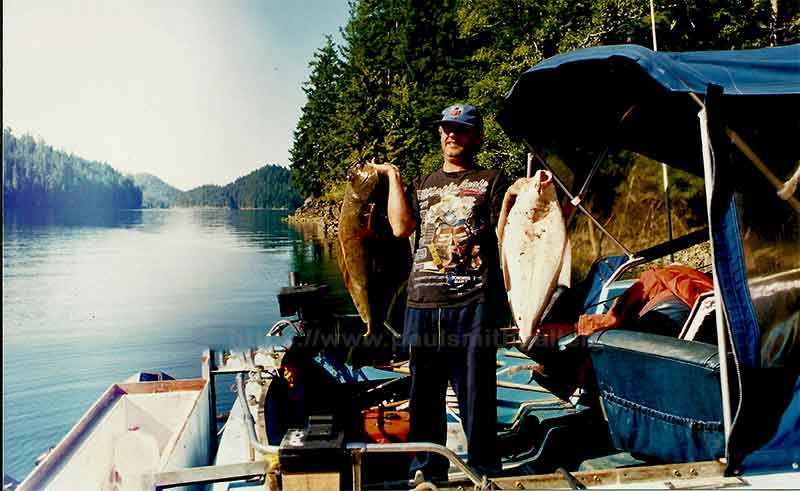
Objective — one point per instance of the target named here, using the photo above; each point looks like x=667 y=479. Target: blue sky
x=195 y=92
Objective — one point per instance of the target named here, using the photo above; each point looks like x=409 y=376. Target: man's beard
x=454 y=150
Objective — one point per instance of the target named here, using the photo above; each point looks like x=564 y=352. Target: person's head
x=294 y=364
x=460 y=133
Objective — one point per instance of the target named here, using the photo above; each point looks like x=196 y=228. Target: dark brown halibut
x=374 y=263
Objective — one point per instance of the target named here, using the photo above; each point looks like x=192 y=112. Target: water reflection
x=105 y=295
x=315 y=257
x=26 y=220
x=255 y=229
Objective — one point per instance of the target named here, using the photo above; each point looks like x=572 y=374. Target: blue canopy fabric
x=766 y=71
x=631 y=97
x=783 y=449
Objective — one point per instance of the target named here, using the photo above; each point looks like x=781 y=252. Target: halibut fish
x=374 y=263
x=535 y=252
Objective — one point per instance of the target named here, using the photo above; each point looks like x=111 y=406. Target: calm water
x=90 y=300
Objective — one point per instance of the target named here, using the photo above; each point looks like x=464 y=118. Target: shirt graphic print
x=449 y=253
x=455 y=257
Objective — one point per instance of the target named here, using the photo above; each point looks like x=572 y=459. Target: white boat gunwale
x=79 y=434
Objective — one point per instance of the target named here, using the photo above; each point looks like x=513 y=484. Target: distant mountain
x=206 y=195
x=155 y=192
x=37 y=176
x=267 y=187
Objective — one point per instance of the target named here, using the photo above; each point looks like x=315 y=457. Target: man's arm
x=400 y=216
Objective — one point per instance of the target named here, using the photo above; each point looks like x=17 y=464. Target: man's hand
x=385 y=169
x=513 y=191
x=400 y=217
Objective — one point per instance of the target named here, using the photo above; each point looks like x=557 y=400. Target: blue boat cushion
x=661 y=395
x=782 y=452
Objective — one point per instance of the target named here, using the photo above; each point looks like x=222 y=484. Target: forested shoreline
x=37 y=176
x=267 y=187
x=402 y=62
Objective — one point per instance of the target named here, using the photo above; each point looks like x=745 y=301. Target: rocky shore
x=319 y=213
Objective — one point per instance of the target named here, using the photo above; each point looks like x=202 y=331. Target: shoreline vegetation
x=374 y=95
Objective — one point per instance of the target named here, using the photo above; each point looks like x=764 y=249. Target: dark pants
x=456 y=345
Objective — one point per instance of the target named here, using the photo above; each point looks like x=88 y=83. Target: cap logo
x=456 y=111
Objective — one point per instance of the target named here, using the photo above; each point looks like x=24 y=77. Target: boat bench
x=660 y=395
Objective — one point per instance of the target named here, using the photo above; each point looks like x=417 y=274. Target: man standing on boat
x=456 y=298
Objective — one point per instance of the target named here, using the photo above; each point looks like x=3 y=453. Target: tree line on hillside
x=267 y=187
x=155 y=192
x=37 y=176
x=403 y=61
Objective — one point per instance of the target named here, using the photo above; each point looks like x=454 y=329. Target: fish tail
x=369 y=328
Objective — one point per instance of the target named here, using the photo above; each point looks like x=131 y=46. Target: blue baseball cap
x=462 y=114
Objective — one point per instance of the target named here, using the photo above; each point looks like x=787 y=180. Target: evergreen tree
x=403 y=61
x=36 y=176
x=316 y=151
x=267 y=187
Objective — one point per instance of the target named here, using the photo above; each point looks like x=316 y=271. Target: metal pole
x=529 y=170
x=760 y=165
x=249 y=423
x=722 y=333
x=206 y=475
x=667 y=205
x=599 y=159
x=419 y=447
x=356 y=470
x=664 y=169
x=576 y=203
x=209 y=365
x=653 y=24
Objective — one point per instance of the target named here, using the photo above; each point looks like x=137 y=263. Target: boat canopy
x=687 y=110
x=631 y=97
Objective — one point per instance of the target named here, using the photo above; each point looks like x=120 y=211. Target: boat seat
x=660 y=395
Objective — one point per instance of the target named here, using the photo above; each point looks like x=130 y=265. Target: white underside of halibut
x=536 y=252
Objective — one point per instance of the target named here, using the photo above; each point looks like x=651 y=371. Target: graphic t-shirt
x=456 y=261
